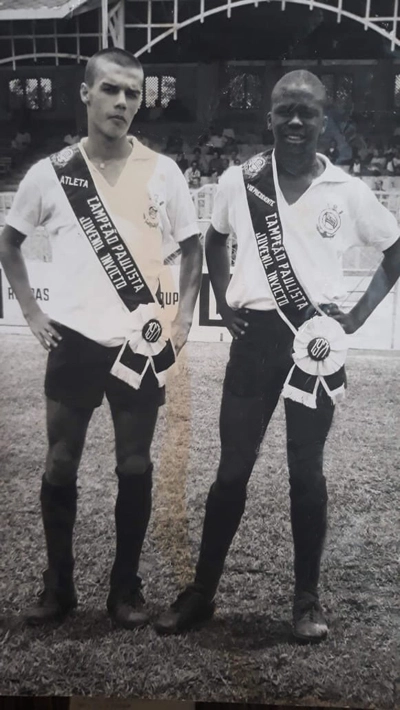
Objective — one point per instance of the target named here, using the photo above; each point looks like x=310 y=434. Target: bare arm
x=17 y=275
x=189 y=286
x=383 y=280
x=217 y=257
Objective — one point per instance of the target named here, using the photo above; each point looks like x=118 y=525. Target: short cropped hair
x=116 y=55
x=302 y=77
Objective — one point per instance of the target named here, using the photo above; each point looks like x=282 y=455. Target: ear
x=324 y=124
x=269 y=121
x=84 y=92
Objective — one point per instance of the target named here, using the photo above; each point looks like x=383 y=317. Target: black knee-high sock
x=307 y=431
x=309 y=524
x=59 y=505
x=224 y=509
x=132 y=514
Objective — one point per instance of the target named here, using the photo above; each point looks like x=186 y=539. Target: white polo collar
x=332 y=173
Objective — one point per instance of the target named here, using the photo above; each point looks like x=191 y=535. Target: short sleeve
x=375 y=224
x=180 y=207
x=26 y=209
x=220 y=213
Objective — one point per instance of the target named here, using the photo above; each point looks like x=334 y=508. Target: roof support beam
x=104 y=24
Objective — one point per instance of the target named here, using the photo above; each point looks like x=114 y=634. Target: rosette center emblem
x=152 y=331
x=318 y=349
x=320 y=346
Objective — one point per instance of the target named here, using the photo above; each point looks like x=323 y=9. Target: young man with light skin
x=322 y=211
x=148 y=202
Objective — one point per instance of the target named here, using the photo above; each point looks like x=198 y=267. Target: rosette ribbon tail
x=335 y=385
x=319 y=353
x=130 y=367
x=302 y=387
x=162 y=362
x=149 y=345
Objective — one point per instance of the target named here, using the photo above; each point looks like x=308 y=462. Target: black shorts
x=261 y=357
x=260 y=360
x=78 y=375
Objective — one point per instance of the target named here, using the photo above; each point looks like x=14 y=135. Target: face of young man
x=113 y=100
x=297 y=118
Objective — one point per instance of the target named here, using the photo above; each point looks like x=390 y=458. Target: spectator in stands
x=365 y=153
x=214 y=177
x=182 y=162
x=234 y=157
x=201 y=149
x=198 y=157
x=193 y=175
x=228 y=134
x=20 y=145
x=22 y=140
x=332 y=152
x=355 y=165
x=225 y=164
x=377 y=164
x=393 y=165
x=215 y=163
x=389 y=148
x=202 y=140
x=216 y=141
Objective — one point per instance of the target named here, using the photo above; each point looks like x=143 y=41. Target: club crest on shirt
x=151 y=218
x=253 y=166
x=329 y=221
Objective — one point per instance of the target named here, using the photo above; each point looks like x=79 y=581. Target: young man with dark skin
x=311 y=212
x=107 y=260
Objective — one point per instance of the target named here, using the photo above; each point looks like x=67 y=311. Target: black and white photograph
x=200 y=346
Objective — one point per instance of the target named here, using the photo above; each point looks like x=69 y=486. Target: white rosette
x=150 y=345
x=150 y=328
x=325 y=329
x=319 y=351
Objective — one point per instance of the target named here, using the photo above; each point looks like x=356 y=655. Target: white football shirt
x=150 y=206
x=336 y=212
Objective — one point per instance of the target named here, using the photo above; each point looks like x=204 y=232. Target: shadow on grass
x=250 y=632
x=80 y=626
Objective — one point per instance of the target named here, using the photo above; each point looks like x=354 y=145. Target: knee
x=134 y=465
x=308 y=485
x=231 y=484
x=61 y=467
x=305 y=458
x=235 y=470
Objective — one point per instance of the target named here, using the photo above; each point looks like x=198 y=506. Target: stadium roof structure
x=381 y=16
x=150 y=22
x=43 y=9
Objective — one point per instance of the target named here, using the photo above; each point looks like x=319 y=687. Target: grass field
x=246 y=653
